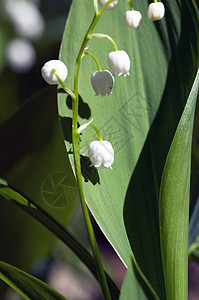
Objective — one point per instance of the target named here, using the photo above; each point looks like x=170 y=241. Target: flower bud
x=119 y=62
x=101 y=152
x=133 y=18
x=110 y=6
x=102 y=82
x=156 y=11
x=47 y=71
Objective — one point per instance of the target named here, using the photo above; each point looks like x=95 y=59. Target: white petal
x=60 y=68
x=133 y=18
x=101 y=152
x=156 y=11
x=119 y=62
x=102 y=82
x=110 y=6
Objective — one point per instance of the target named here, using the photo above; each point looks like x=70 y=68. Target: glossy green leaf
x=174 y=203
x=27 y=286
x=164 y=58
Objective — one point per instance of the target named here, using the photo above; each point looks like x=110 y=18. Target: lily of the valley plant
x=140 y=131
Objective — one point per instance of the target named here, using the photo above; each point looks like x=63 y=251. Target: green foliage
x=139 y=119
x=56 y=228
x=174 y=203
x=26 y=285
x=32 y=153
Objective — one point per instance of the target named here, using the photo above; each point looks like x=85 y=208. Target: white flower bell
x=47 y=71
x=133 y=18
x=110 y=6
x=20 y=55
x=156 y=11
x=101 y=152
x=102 y=82
x=26 y=18
x=119 y=62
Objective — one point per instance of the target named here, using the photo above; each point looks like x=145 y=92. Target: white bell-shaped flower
x=26 y=18
x=133 y=18
x=119 y=62
x=47 y=71
x=21 y=55
x=102 y=82
x=101 y=152
x=156 y=11
x=110 y=6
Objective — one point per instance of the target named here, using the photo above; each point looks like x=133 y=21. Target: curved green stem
x=66 y=89
x=75 y=138
x=97 y=131
x=130 y=3
x=104 y=36
x=95 y=59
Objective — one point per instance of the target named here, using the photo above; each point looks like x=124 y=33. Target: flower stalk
x=95 y=59
x=104 y=36
x=65 y=88
x=75 y=139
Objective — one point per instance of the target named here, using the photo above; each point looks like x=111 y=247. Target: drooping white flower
x=20 y=55
x=119 y=62
x=101 y=152
x=156 y=11
x=26 y=18
x=110 y=6
x=47 y=71
x=102 y=82
x=133 y=18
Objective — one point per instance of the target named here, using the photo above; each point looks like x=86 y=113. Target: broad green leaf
x=174 y=204
x=164 y=58
x=60 y=232
x=27 y=286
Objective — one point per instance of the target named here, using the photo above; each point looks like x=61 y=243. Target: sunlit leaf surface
x=164 y=58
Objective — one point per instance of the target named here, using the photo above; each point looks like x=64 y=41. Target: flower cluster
x=54 y=72
x=133 y=18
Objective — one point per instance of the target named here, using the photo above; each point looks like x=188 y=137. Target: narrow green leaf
x=60 y=232
x=26 y=285
x=174 y=204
